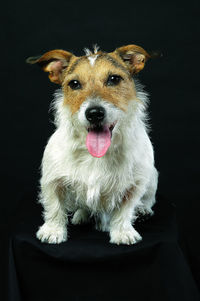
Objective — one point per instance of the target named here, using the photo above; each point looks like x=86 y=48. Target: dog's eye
x=113 y=80
x=74 y=84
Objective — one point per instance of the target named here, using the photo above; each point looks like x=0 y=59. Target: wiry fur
x=74 y=181
x=123 y=182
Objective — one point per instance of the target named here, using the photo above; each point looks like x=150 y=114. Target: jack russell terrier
x=99 y=162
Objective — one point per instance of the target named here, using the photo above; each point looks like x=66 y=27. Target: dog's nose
x=95 y=114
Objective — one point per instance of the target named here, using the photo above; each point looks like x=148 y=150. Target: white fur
x=74 y=181
x=92 y=59
x=89 y=52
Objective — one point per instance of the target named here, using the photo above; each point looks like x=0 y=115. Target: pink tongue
x=98 y=142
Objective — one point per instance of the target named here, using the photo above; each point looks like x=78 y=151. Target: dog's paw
x=81 y=216
x=143 y=210
x=51 y=233
x=128 y=236
x=99 y=226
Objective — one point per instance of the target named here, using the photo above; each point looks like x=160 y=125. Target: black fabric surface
x=88 y=267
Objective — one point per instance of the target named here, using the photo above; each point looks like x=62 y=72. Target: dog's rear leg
x=54 y=229
x=121 y=229
x=148 y=199
x=81 y=216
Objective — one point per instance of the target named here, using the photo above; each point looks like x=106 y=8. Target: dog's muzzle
x=99 y=133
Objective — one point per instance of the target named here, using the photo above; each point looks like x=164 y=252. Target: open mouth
x=99 y=139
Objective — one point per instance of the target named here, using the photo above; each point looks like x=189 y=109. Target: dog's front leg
x=54 y=229
x=121 y=229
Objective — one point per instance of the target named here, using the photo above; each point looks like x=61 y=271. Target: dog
x=99 y=162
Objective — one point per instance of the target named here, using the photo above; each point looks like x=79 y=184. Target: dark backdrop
x=33 y=27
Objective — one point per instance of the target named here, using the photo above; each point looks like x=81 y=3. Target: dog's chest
x=98 y=184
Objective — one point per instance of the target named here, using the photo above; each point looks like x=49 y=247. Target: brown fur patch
x=63 y=66
x=93 y=81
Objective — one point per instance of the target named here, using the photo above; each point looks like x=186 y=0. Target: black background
x=34 y=27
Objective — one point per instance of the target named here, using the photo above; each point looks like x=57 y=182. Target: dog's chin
x=99 y=139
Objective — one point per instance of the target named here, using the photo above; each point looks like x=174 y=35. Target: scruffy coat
x=123 y=182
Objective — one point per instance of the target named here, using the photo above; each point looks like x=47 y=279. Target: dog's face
x=97 y=88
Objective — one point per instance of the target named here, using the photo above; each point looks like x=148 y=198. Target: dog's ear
x=134 y=57
x=54 y=62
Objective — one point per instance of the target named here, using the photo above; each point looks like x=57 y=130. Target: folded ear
x=54 y=62
x=134 y=57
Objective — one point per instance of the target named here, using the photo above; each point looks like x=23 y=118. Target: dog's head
x=97 y=88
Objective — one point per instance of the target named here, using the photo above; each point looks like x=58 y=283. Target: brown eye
x=113 y=80
x=74 y=84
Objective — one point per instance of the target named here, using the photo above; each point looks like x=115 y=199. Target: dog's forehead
x=92 y=71
x=97 y=62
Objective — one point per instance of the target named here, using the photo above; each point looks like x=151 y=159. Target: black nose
x=95 y=114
